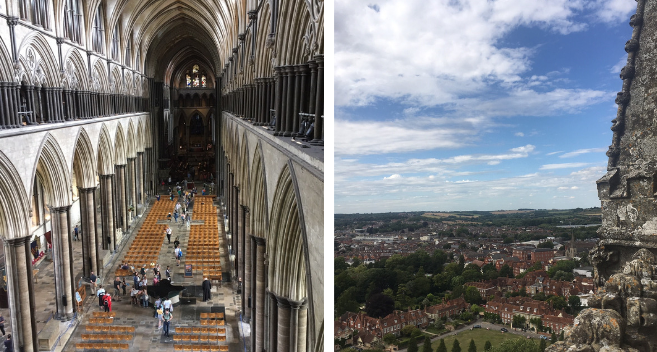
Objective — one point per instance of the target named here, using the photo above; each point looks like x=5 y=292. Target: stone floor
x=146 y=336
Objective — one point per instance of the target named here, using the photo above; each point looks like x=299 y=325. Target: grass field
x=480 y=337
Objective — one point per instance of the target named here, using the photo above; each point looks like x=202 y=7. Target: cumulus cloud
x=619 y=65
x=582 y=151
x=519 y=134
x=613 y=11
x=452 y=57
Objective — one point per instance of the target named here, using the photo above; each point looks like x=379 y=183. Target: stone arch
x=6 y=71
x=140 y=136
x=116 y=81
x=105 y=152
x=84 y=161
x=53 y=172
x=38 y=63
x=14 y=209
x=131 y=141
x=99 y=78
x=244 y=181
x=120 y=156
x=285 y=244
x=258 y=201
x=75 y=71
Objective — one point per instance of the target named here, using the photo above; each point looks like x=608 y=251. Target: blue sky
x=474 y=104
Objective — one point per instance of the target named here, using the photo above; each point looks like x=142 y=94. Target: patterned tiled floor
x=146 y=336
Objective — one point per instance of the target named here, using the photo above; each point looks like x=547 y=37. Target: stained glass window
x=189 y=80
x=203 y=82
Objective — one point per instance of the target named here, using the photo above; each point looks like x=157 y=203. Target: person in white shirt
x=167 y=305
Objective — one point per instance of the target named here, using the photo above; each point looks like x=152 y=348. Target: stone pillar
x=107 y=212
x=298 y=326
x=21 y=293
x=131 y=184
x=272 y=324
x=140 y=179
x=300 y=97
x=278 y=104
x=258 y=294
x=246 y=265
x=319 y=103
x=88 y=223
x=121 y=201
x=283 y=325
x=61 y=262
x=236 y=232
x=289 y=100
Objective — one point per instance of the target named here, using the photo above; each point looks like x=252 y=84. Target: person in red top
x=107 y=302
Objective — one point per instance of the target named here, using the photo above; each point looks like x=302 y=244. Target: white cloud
x=557 y=152
x=445 y=166
x=613 y=11
x=582 y=151
x=392 y=177
x=458 y=50
x=562 y=166
x=519 y=134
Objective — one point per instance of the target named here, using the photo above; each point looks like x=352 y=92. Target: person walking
x=9 y=344
x=107 y=302
x=207 y=288
x=182 y=219
x=168 y=231
x=168 y=273
x=2 y=324
x=166 y=317
x=176 y=243
x=117 y=288
x=76 y=232
x=100 y=294
x=178 y=253
x=93 y=279
x=175 y=216
x=124 y=286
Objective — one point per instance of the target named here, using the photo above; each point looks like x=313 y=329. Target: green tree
x=506 y=271
x=553 y=338
x=540 y=296
x=558 y=302
x=537 y=322
x=472 y=295
x=472 y=347
x=548 y=244
x=390 y=339
x=427 y=345
x=517 y=345
x=412 y=345
x=456 y=347
x=561 y=336
x=488 y=346
x=347 y=302
x=407 y=330
x=519 y=321
x=543 y=345
x=356 y=262
x=574 y=302
x=441 y=346
x=339 y=265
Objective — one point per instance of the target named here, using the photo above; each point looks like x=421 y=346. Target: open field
x=444 y=215
x=511 y=212
x=480 y=337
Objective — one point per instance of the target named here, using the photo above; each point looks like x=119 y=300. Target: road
x=484 y=325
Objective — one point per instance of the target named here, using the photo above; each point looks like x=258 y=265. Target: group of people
x=104 y=299
x=164 y=314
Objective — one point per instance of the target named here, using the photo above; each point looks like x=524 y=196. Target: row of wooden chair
x=108 y=337
x=101 y=320
x=102 y=346
x=201 y=330
x=104 y=314
x=201 y=348
x=212 y=322
x=145 y=248
x=107 y=328
x=212 y=315
x=199 y=338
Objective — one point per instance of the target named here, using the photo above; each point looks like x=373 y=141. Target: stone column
x=88 y=221
x=122 y=198
x=61 y=262
x=140 y=179
x=289 y=100
x=21 y=293
x=107 y=212
x=278 y=104
x=313 y=89
x=283 y=324
x=245 y=264
x=272 y=331
x=319 y=104
x=300 y=97
x=298 y=322
x=236 y=233
x=258 y=294
x=131 y=185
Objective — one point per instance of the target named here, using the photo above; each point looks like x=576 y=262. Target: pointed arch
x=287 y=271
x=75 y=71
x=258 y=201
x=15 y=209
x=99 y=78
x=52 y=169
x=38 y=62
x=140 y=136
x=84 y=161
x=131 y=142
x=120 y=157
x=6 y=71
x=105 y=152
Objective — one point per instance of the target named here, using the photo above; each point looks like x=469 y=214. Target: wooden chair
x=177 y=347
x=223 y=348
